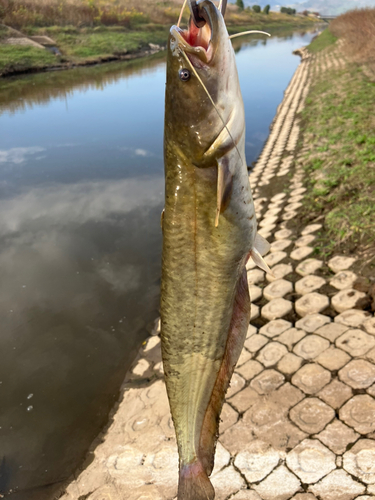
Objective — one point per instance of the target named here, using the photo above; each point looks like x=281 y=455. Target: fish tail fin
x=235 y=340
x=194 y=483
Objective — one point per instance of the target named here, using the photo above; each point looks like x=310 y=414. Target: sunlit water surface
x=81 y=191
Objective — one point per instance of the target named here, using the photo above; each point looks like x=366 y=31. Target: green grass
x=94 y=42
x=324 y=40
x=18 y=57
x=338 y=127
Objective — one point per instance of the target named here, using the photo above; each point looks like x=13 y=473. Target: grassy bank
x=338 y=153
x=85 y=31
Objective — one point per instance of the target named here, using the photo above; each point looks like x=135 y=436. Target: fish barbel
x=209 y=232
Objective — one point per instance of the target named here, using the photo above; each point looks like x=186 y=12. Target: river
x=81 y=192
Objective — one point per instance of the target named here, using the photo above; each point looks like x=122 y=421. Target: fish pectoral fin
x=259 y=261
x=162 y=218
x=224 y=187
x=261 y=244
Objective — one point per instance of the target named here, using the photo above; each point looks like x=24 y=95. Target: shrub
x=266 y=9
x=288 y=10
x=240 y=4
x=256 y=8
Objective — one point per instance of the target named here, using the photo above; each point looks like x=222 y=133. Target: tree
x=240 y=4
x=266 y=9
x=256 y=8
x=288 y=10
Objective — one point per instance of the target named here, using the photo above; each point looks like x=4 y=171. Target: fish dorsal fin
x=259 y=261
x=261 y=244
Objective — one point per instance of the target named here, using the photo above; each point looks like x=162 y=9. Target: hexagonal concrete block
x=257 y=460
x=244 y=399
x=246 y=495
x=283 y=234
x=255 y=276
x=278 y=197
x=255 y=293
x=288 y=216
x=337 y=436
x=308 y=266
x=301 y=253
x=277 y=289
x=279 y=271
x=369 y=326
x=272 y=353
x=279 y=485
x=352 y=317
x=359 y=374
x=343 y=279
x=311 y=415
x=312 y=322
x=311 y=303
x=312 y=228
x=311 y=346
x=346 y=299
x=359 y=413
x=249 y=369
x=255 y=342
x=333 y=359
x=305 y=240
x=360 y=461
x=236 y=384
x=338 y=485
x=340 y=263
x=309 y=284
x=311 y=461
x=227 y=481
x=331 y=331
x=289 y=363
x=291 y=337
x=274 y=258
x=251 y=330
x=254 y=312
x=244 y=357
x=335 y=393
x=295 y=192
x=276 y=308
x=355 y=342
x=292 y=207
x=275 y=327
x=311 y=378
x=267 y=381
x=280 y=245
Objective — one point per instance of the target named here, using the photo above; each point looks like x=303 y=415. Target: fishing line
x=248 y=33
x=182 y=11
x=210 y=98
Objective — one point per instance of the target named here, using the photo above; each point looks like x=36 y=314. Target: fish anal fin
x=224 y=187
x=235 y=340
x=194 y=483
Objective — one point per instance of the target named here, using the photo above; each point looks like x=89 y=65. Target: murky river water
x=81 y=191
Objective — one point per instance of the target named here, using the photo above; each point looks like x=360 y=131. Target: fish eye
x=184 y=74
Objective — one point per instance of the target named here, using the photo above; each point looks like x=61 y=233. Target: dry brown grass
x=128 y=13
x=357 y=30
x=20 y=14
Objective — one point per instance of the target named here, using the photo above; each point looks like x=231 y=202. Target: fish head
x=203 y=94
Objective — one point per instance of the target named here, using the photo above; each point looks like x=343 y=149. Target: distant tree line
x=256 y=8
x=288 y=10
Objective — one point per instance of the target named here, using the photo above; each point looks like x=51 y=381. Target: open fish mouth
x=198 y=43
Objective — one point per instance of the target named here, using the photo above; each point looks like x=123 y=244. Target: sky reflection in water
x=81 y=191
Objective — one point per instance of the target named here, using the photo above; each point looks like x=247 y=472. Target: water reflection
x=81 y=191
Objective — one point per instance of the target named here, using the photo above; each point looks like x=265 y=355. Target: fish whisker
x=248 y=33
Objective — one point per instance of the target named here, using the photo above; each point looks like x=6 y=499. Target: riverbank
x=303 y=391
x=62 y=47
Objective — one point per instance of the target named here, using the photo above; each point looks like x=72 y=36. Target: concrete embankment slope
x=299 y=419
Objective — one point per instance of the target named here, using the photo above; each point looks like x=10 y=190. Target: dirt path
x=299 y=418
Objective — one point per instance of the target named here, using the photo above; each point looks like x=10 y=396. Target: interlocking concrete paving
x=299 y=418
